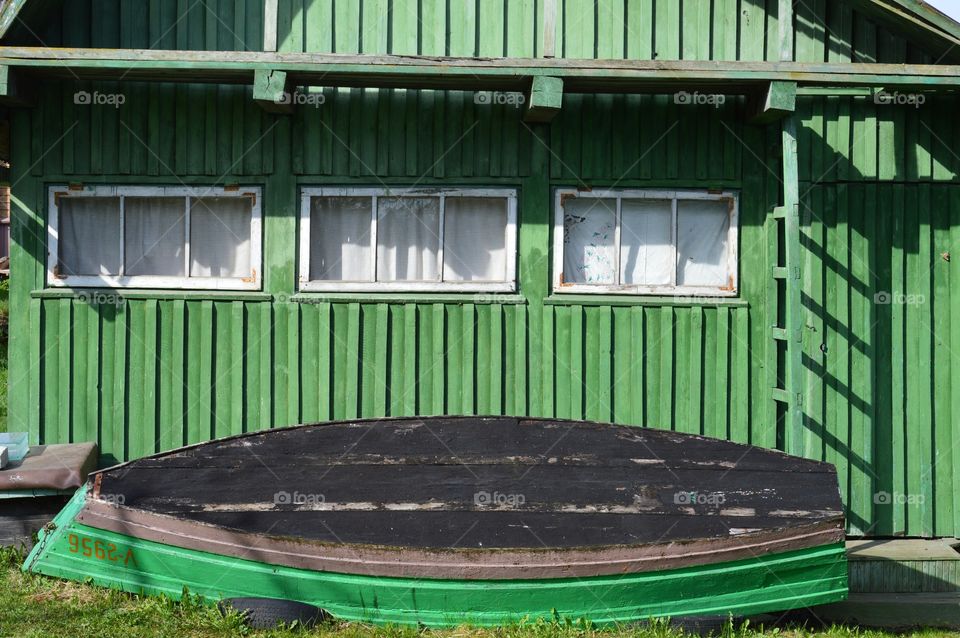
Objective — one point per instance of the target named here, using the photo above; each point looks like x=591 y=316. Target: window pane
x=154 y=235
x=702 y=231
x=589 y=230
x=646 y=257
x=340 y=243
x=474 y=239
x=408 y=238
x=220 y=237
x=89 y=236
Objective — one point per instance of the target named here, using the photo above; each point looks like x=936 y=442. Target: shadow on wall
x=881 y=213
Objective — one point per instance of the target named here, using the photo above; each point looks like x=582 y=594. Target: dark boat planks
x=474 y=482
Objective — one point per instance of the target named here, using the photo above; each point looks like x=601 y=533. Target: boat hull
x=464 y=520
x=771 y=582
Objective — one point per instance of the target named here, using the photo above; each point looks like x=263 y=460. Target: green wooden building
x=727 y=217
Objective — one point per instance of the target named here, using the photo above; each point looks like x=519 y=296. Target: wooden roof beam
x=486 y=74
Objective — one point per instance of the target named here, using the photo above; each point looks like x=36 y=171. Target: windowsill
x=559 y=299
x=142 y=293
x=499 y=298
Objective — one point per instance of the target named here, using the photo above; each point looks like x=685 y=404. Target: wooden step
x=903 y=566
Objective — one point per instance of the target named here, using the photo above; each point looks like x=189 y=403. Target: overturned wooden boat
x=446 y=521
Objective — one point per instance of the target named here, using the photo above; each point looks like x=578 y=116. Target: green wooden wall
x=825 y=30
x=880 y=215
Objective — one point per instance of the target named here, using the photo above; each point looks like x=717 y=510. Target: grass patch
x=4 y=331
x=35 y=606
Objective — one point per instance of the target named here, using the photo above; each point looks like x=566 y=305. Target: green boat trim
x=772 y=582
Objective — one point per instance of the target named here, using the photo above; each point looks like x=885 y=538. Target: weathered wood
x=786 y=28
x=21 y=518
x=545 y=99
x=270 y=25
x=549 y=28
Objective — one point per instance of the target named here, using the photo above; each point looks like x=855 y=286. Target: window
x=407 y=239
x=155 y=237
x=646 y=242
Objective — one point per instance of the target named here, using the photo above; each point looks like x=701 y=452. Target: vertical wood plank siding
x=630 y=29
x=880 y=211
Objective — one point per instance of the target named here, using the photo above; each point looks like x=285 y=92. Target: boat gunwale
x=454 y=563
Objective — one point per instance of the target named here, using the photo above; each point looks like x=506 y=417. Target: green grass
x=36 y=606
x=4 y=314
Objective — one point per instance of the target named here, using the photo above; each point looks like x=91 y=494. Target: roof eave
x=919 y=22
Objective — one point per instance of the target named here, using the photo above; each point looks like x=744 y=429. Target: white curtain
x=155 y=236
x=646 y=257
x=589 y=233
x=474 y=239
x=702 y=232
x=340 y=243
x=408 y=238
x=88 y=230
x=220 y=237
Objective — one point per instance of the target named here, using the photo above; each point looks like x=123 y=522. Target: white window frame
x=253 y=282
x=675 y=196
x=510 y=237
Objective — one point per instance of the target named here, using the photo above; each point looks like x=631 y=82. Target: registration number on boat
x=99 y=549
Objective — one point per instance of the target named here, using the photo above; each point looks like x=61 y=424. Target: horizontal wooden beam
x=504 y=74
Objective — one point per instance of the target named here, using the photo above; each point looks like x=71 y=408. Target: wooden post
x=793 y=317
